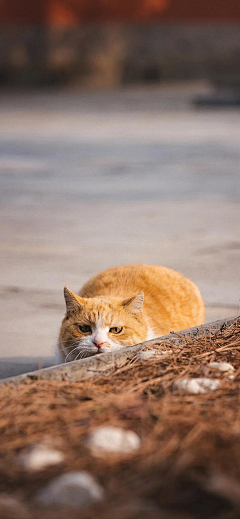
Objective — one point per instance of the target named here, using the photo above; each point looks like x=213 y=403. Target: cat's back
x=124 y=281
x=169 y=297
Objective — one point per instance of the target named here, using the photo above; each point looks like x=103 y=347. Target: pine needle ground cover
x=188 y=463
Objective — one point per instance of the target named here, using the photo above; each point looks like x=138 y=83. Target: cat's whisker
x=70 y=353
x=78 y=355
x=83 y=352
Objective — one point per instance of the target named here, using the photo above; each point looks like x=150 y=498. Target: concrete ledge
x=108 y=362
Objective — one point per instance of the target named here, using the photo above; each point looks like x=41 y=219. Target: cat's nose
x=98 y=344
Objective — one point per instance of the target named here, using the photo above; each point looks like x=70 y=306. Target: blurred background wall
x=114 y=42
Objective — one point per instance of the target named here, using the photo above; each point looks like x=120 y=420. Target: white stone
x=39 y=457
x=151 y=354
x=197 y=386
x=77 y=490
x=114 y=440
x=222 y=366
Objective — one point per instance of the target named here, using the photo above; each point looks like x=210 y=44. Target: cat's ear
x=72 y=301
x=134 y=304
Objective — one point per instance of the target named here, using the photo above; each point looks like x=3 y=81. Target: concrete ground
x=93 y=180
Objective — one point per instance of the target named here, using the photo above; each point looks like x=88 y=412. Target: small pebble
x=113 y=439
x=76 y=490
x=39 y=457
x=222 y=366
x=197 y=386
x=150 y=354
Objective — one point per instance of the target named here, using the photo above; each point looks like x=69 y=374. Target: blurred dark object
x=225 y=77
x=221 y=98
x=113 y=42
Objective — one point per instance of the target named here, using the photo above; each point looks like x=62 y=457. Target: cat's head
x=100 y=324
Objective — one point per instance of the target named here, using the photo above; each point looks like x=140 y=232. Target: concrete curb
x=107 y=362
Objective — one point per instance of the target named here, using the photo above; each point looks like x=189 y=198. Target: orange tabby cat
x=124 y=306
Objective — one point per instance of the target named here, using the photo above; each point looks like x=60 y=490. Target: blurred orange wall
x=69 y=12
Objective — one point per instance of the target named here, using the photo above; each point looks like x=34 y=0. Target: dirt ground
x=188 y=465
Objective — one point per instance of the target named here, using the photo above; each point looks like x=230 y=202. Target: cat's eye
x=85 y=328
x=116 y=329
